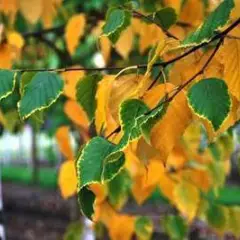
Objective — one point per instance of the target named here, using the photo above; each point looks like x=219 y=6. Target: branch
x=181 y=87
x=149 y=19
x=139 y=66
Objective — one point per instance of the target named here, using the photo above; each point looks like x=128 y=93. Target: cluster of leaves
x=161 y=126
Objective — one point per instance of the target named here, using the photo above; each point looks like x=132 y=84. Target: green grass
x=22 y=175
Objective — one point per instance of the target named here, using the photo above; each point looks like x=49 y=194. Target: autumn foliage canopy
x=149 y=89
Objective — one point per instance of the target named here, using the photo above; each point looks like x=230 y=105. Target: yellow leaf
x=100 y=192
x=145 y=152
x=74 y=31
x=230 y=58
x=49 y=11
x=177 y=158
x=200 y=178
x=67 y=179
x=149 y=34
x=105 y=46
x=147 y=180
x=15 y=39
x=9 y=8
x=74 y=111
x=71 y=79
x=187 y=199
x=233 y=221
x=31 y=10
x=192 y=12
x=125 y=42
x=167 y=186
x=167 y=131
x=63 y=140
x=5 y=56
x=123 y=89
x=115 y=222
x=104 y=43
x=103 y=117
x=176 y=4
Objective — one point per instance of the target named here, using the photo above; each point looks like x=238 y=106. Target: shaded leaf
x=210 y=100
x=8 y=81
x=85 y=93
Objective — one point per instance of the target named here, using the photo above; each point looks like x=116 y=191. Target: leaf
x=90 y=167
x=122 y=89
x=5 y=55
x=118 y=189
x=213 y=22
x=8 y=81
x=50 y=8
x=192 y=12
x=233 y=220
x=31 y=10
x=103 y=119
x=43 y=90
x=130 y=111
x=76 y=114
x=71 y=79
x=165 y=17
x=116 y=21
x=85 y=93
x=230 y=58
x=143 y=228
x=209 y=99
x=216 y=217
x=125 y=43
x=15 y=39
x=74 y=31
x=147 y=179
x=73 y=231
x=67 y=179
x=64 y=142
x=187 y=199
x=175 y=227
x=168 y=130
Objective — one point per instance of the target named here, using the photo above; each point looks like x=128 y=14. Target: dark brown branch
x=140 y=66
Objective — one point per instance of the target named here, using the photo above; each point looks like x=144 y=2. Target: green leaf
x=216 y=216
x=117 y=21
x=165 y=17
x=85 y=94
x=130 y=111
x=43 y=90
x=143 y=228
x=217 y=19
x=74 y=231
x=209 y=99
x=175 y=227
x=151 y=119
x=7 y=83
x=90 y=168
x=118 y=189
x=25 y=80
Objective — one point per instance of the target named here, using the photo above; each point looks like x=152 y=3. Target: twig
x=149 y=19
x=139 y=66
x=181 y=87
